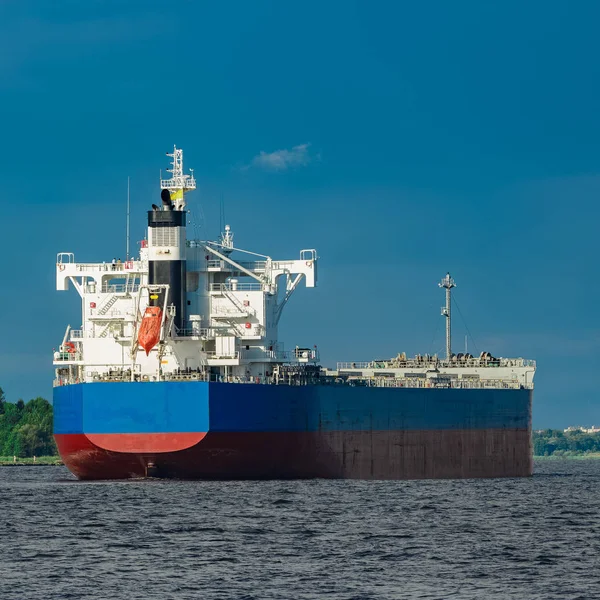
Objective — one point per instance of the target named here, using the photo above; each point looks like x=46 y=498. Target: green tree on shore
x=26 y=428
x=553 y=442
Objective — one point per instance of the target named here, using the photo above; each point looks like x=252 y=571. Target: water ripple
x=151 y=539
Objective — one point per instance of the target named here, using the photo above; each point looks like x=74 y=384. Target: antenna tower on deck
x=127 y=248
x=179 y=183
x=448 y=283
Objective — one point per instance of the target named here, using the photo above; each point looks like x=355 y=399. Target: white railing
x=203 y=332
x=242 y=311
x=125 y=376
x=125 y=267
x=236 y=287
x=258 y=265
x=308 y=254
x=283 y=265
x=451 y=383
x=113 y=312
x=68 y=357
x=65 y=258
x=279 y=355
x=187 y=182
x=120 y=288
x=119 y=375
x=213 y=355
x=413 y=363
x=80 y=334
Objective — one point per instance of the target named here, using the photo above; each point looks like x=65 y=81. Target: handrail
x=132 y=266
x=113 y=312
x=257 y=265
x=124 y=375
x=60 y=258
x=280 y=355
x=206 y=332
x=412 y=363
x=223 y=310
x=454 y=383
x=213 y=354
x=68 y=357
x=236 y=287
x=120 y=288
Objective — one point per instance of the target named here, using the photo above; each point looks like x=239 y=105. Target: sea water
x=152 y=539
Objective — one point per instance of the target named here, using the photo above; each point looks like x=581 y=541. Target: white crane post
x=448 y=283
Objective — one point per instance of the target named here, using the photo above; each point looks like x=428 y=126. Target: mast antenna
x=448 y=283
x=127 y=247
x=179 y=183
x=221 y=213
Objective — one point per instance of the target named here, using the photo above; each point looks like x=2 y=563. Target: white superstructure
x=219 y=312
x=233 y=303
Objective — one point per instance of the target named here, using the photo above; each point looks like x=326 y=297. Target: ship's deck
x=354 y=381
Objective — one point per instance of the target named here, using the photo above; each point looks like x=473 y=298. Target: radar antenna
x=179 y=183
x=226 y=240
x=448 y=283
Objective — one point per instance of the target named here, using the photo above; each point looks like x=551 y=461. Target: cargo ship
x=177 y=372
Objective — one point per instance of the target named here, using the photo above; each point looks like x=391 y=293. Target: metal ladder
x=245 y=311
x=105 y=331
x=107 y=305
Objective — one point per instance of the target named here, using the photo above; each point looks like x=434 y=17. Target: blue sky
x=401 y=139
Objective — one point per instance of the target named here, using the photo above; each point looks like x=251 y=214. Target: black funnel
x=165 y=196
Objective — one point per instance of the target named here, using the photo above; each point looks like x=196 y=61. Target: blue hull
x=232 y=431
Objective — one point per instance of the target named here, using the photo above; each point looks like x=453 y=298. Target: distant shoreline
x=591 y=455
x=40 y=461
x=55 y=461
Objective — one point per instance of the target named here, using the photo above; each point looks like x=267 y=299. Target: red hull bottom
x=422 y=454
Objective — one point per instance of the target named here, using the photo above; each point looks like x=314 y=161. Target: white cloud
x=281 y=160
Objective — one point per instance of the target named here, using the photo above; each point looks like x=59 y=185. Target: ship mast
x=179 y=183
x=448 y=283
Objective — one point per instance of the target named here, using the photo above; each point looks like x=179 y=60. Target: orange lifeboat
x=149 y=334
